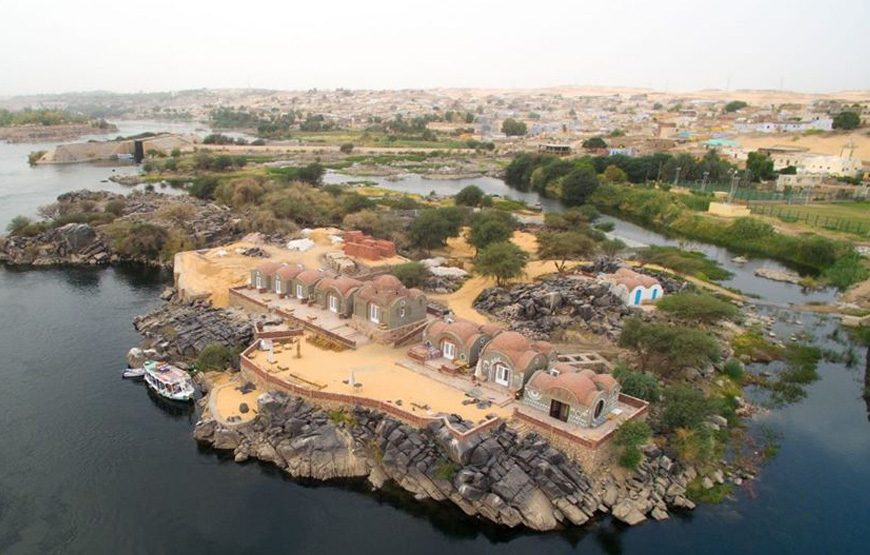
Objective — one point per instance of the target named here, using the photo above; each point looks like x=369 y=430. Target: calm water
x=90 y=463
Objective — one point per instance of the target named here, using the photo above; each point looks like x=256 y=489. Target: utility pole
x=677 y=176
x=704 y=182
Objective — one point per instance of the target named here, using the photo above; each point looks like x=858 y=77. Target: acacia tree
x=491 y=226
x=564 y=246
x=847 y=120
x=504 y=261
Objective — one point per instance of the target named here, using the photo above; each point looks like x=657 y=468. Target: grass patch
x=446 y=470
x=691 y=263
x=756 y=347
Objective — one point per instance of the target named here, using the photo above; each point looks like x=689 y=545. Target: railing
x=354 y=400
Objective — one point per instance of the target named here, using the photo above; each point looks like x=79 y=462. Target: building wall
x=345 y=303
x=392 y=316
x=517 y=376
x=266 y=281
x=578 y=414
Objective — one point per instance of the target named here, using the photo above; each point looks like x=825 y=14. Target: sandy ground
x=375 y=367
x=460 y=301
x=207 y=272
x=225 y=399
x=828 y=143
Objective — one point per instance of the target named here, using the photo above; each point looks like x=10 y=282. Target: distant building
x=632 y=287
x=557 y=149
x=815 y=124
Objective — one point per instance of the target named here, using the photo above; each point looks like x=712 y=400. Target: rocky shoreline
x=502 y=477
x=202 y=223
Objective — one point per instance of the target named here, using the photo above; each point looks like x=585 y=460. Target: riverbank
x=500 y=476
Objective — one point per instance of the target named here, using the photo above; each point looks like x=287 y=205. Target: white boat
x=133 y=373
x=168 y=381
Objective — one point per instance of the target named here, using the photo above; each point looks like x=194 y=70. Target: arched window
x=599 y=408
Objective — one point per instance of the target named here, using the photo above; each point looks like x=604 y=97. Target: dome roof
x=342 y=284
x=289 y=272
x=510 y=343
x=387 y=282
x=568 y=386
x=268 y=268
x=310 y=277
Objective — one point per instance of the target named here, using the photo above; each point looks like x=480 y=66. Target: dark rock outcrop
x=181 y=329
x=541 y=308
x=509 y=480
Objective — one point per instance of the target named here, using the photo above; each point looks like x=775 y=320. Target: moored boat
x=133 y=373
x=168 y=381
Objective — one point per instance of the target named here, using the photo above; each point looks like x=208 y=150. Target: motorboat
x=168 y=381
x=133 y=373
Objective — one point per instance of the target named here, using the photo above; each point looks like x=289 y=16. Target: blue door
x=637 y=295
x=655 y=293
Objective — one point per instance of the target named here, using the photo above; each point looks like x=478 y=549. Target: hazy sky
x=150 y=45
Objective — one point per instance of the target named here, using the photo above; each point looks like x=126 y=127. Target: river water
x=90 y=463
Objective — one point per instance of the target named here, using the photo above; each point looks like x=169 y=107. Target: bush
x=698 y=307
x=346 y=148
x=18 y=224
x=684 y=407
x=692 y=263
x=638 y=384
x=665 y=348
x=116 y=207
x=411 y=274
x=471 y=195
x=215 y=356
x=139 y=239
x=203 y=187
x=733 y=369
x=503 y=261
x=630 y=436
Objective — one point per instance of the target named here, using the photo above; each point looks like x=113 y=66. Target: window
x=259 y=281
x=277 y=284
x=502 y=374
x=599 y=408
x=448 y=349
x=300 y=291
x=375 y=313
x=333 y=303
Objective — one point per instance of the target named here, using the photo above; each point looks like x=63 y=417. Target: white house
x=633 y=288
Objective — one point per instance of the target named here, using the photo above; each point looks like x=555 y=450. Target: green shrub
x=638 y=384
x=411 y=274
x=665 y=349
x=446 y=470
x=698 y=307
x=215 y=356
x=684 y=407
x=733 y=369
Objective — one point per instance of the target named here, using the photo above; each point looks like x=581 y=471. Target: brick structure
x=360 y=245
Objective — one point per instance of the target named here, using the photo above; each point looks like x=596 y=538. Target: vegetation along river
x=92 y=464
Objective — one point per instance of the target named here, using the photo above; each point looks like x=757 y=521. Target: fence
x=796 y=214
x=353 y=400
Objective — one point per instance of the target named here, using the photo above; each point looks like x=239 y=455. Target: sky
x=52 y=46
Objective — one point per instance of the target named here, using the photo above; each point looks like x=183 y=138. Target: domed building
x=384 y=309
x=510 y=359
x=583 y=398
x=262 y=277
x=459 y=341
x=282 y=281
x=337 y=294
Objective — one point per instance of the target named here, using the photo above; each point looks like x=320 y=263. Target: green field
x=848 y=217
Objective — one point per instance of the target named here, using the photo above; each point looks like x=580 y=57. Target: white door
x=259 y=281
x=333 y=303
x=502 y=374
x=299 y=293
x=278 y=285
x=375 y=313
x=448 y=349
